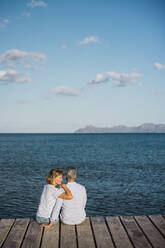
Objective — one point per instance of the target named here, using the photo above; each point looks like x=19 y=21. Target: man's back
x=73 y=211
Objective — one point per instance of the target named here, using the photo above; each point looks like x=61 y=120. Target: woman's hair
x=53 y=174
x=70 y=173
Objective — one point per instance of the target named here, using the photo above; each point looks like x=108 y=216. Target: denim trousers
x=41 y=220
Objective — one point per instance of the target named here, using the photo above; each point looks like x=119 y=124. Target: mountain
x=144 y=128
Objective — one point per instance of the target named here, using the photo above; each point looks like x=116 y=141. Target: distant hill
x=144 y=128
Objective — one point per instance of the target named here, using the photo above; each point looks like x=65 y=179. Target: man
x=72 y=211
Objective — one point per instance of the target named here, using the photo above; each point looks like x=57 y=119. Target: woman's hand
x=67 y=194
x=47 y=225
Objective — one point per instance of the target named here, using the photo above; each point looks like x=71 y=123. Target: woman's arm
x=67 y=195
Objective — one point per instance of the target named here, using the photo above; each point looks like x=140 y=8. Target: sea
x=124 y=174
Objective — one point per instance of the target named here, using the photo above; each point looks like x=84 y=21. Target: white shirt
x=73 y=211
x=47 y=201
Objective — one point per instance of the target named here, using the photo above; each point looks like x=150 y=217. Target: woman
x=45 y=214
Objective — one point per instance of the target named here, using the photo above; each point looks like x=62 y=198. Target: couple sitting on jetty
x=70 y=199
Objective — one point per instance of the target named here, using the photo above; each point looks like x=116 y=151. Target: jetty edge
x=94 y=232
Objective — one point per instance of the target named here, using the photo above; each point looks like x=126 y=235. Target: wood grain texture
x=94 y=232
x=33 y=236
x=68 y=236
x=151 y=232
x=118 y=233
x=101 y=233
x=51 y=237
x=5 y=226
x=135 y=233
x=159 y=221
x=85 y=235
x=16 y=234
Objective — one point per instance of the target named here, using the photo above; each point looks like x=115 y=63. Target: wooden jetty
x=94 y=232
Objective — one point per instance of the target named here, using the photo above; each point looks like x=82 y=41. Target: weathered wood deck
x=99 y=232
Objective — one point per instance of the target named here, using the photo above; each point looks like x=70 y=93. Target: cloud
x=30 y=67
x=16 y=55
x=100 y=78
x=33 y=68
x=91 y=39
x=118 y=79
x=13 y=76
x=159 y=66
x=10 y=66
x=12 y=59
x=4 y=22
x=25 y=14
x=65 y=91
x=35 y=3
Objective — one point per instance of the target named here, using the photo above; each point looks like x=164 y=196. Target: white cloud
x=13 y=76
x=118 y=79
x=35 y=3
x=91 y=39
x=3 y=22
x=16 y=55
x=25 y=14
x=10 y=66
x=13 y=59
x=159 y=66
x=30 y=67
x=33 y=68
x=65 y=91
x=100 y=78
x=123 y=79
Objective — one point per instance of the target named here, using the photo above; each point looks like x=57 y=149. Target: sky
x=68 y=64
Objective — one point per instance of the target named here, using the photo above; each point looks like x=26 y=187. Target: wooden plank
x=123 y=230
x=33 y=235
x=16 y=234
x=135 y=234
x=68 y=236
x=159 y=221
x=5 y=226
x=84 y=235
x=151 y=232
x=118 y=232
x=51 y=237
x=102 y=235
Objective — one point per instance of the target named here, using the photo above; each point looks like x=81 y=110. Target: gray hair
x=70 y=173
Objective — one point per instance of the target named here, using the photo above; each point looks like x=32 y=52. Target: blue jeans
x=41 y=220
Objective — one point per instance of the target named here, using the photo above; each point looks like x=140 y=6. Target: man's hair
x=53 y=174
x=70 y=173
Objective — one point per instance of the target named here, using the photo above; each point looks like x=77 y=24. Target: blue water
x=124 y=174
